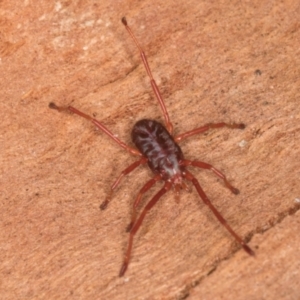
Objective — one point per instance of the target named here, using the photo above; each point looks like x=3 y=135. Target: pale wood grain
x=57 y=169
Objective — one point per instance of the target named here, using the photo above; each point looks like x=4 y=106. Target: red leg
x=116 y=183
x=204 y=128
x=205 y=199
x=138 y=223
x=204 y=165
x=169 y=125
x=98 y=124
x=137 y=201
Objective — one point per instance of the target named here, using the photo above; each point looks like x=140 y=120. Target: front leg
x=206 y=127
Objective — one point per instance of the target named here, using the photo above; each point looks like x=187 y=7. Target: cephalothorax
x=159 y=149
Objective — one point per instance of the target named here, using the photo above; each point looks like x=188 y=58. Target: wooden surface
x=224 y=61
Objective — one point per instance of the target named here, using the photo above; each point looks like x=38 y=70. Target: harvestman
x=159 y=149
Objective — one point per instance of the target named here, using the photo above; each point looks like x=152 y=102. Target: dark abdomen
x=154 y=141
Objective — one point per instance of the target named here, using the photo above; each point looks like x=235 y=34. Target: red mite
x=159 y=149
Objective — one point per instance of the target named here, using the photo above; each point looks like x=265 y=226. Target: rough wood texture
x=224 y=61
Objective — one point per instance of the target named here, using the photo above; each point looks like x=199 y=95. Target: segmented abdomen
x=155 y=142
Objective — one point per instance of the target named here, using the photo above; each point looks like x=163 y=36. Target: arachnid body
x=157 y=147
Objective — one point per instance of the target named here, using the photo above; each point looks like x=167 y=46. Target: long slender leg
x=138 y=223
x=129 y=169
x=205 y=199
x=157 y=93
x=98 y=124
x=206 y=127
x=204 y=165
x=137 y=201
